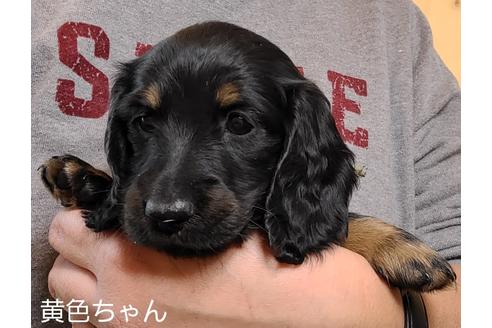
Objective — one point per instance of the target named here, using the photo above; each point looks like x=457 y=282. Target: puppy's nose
x=169 y=217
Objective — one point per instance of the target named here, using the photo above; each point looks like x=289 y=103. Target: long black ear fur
x=118 y=151
x=308 y=200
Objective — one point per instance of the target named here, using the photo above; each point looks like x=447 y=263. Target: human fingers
x=83 y=325
x=69 y=236
x=67 y=282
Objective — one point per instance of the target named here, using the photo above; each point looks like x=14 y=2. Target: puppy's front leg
x=76 y=184
x=398 y=256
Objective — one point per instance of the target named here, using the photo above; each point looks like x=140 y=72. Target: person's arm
x=437 y=144
x=242 y=287
x=246 y=286
x=443 y=307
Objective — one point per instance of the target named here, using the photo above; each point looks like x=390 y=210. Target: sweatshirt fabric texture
x=395 y=103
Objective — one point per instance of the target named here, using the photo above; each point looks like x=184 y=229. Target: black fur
x=284 y=170
x=308 y=200
x=213 y=133
x=291 y=175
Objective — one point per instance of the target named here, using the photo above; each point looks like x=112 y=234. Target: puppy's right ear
x=118 y=150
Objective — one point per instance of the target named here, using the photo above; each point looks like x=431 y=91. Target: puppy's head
x=213 y=130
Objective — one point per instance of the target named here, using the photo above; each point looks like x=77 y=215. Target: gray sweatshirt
x=395 y=103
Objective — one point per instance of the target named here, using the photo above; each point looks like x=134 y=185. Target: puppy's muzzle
x=169 y=217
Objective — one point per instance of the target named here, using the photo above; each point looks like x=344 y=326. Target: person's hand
x=243 y=286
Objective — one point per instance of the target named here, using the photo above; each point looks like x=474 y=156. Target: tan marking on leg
x=52 y=168
x=71 y=169
x=398 y=256
x=56 y=166
x=227 y=94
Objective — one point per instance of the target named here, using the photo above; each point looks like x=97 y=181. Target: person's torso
x=353 y=50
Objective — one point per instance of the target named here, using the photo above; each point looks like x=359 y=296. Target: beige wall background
x=445 y=19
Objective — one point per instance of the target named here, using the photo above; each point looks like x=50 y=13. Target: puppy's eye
x=144 y=123
x=238 y=124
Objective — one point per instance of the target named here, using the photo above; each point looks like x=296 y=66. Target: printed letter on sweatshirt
x=340 y=104
x=69 y=55
x=142 y=48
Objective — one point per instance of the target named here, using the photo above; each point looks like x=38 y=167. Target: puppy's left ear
x=307 y=207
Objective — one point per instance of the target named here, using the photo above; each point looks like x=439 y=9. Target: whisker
x=101 y=191
x=256 y=224
x=263 y=209
x=243 y=236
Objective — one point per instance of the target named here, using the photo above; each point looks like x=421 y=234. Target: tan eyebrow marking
x=227 y=94
x=152 y=95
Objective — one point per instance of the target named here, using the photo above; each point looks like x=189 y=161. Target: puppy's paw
x=105 y=217
x=75 y=183
x=399 y=257
x=413 y=266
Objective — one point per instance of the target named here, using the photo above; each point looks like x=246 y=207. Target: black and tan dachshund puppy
x=214 y=133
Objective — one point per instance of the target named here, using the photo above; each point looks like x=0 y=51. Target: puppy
x=214 y=133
